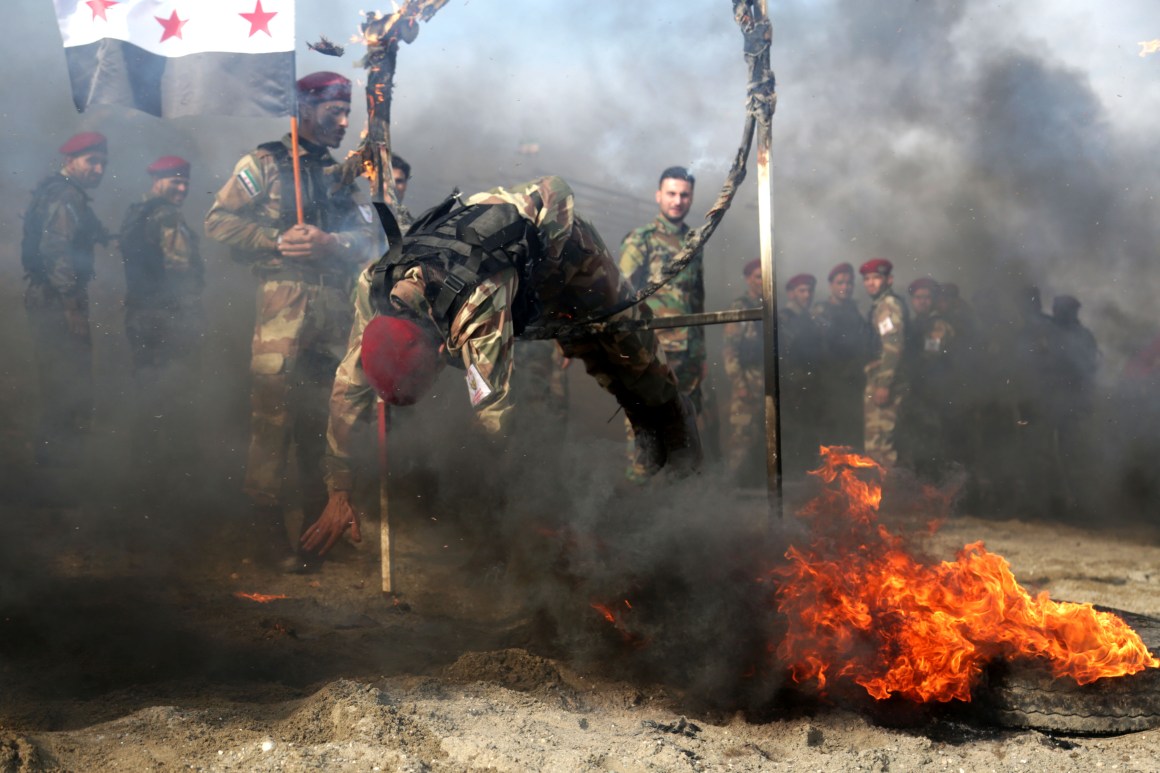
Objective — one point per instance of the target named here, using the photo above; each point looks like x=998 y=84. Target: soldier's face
x=842 y=287
x=87 y=169
x=874 y=284
x=325 y=123
x=674 y=198
x=922 y=301
x=400 y=184
x=802 y=296
x=172 y=189
x=753 y=283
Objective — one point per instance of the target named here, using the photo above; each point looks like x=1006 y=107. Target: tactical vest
x=144 y=260
x=459 y=247
x=88 y=234
x=320 y=207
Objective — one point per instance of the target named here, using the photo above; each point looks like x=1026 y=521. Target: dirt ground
x=125 y=648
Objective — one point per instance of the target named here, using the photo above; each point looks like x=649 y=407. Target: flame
x=1149 y=47
x=261 y=598
x=861 y=608
x=615 y=617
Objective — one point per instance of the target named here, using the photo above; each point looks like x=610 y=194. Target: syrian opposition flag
x=181 y=57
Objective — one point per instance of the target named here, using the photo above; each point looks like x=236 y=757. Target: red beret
x=841 y=268
x=84 y=142
x=801 y=279
x=169 y=166
x=876 y=266
x=399 y=358
x=751 y=266
x=922 y=283
x=324 y=87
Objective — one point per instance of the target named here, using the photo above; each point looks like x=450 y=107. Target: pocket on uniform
x=268 y=364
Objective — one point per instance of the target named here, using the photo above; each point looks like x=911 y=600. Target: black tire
x=1023 y=696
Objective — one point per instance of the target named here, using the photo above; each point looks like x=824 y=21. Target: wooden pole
x=769 y=303
x=384 y=510
x=297 y=167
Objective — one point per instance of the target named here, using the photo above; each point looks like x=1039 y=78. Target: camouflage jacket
x=60 y=234
x=743 y=341
x=163 y=265
x=250 y=212
x=644 y=254
x=888 y=322
x=480 y=338
x=929 y=356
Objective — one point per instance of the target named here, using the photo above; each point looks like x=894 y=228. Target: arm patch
x=249 y=183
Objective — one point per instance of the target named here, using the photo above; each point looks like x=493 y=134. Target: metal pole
x=769 y=302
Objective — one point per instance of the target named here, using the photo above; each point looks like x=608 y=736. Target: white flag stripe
x=210 y=25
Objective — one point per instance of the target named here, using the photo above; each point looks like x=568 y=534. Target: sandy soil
x=124 y=648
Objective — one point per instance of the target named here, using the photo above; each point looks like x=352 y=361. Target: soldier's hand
x=881 y=396
x=306 y=242
x=336 y=518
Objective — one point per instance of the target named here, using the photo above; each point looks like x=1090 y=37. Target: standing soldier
x=930 y=377
x=516 y=254
x=305 y=272
x=845 y=338
x=884 y=380
x=745 y=367
x=644 y=255
x=60 y=234
x=164 y=321
x=401 y=173
x=799 y=345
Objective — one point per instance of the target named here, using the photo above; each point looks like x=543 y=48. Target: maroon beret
x=922 y=283
x=841 y=268
x=324 y=87
x=876 y=266
x=949 y=289
x=85 y=142
x=169 y=166
x=751 y=266
x=800 y=279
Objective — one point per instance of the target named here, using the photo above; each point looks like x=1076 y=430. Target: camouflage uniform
x=644 y=254
x=165 y=323
x=303 y=306
x=888 y=323
x=799 y=344
x=745 y=367
x=577 y=277
x=845 y=343
x=60 y=234
x=404 y=217
x=928 y=363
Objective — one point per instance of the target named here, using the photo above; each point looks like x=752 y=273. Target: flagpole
x=297 y=168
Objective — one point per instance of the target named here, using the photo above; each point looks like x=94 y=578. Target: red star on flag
x=172 y=26
x=99 y=7
x=259 y=20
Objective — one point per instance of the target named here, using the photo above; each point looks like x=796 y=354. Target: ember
x=860 y=608
x=615 y=616
x=261 y=598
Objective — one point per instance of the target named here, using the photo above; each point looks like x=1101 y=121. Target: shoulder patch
x=249 y=182
x=885 y=326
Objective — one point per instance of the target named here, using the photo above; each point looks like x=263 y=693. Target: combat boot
x=676 y=429
x=648 y=453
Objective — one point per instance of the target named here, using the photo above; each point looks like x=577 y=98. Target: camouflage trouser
x=881 y=421
x=539 y=380
x=745 y=454
x=165 y=345
x=690 y=375
x=584 y=281
x=299 y=337
x=64 y=362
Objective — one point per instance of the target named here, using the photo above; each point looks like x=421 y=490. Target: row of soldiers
x=317 y=361
x=932 y=385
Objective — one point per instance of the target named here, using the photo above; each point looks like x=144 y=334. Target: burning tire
x=1026 y=697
